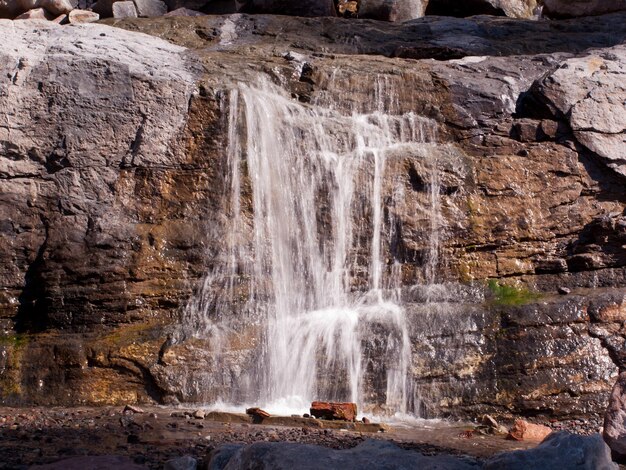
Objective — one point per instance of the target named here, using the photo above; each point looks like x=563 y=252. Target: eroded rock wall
x=112 y=167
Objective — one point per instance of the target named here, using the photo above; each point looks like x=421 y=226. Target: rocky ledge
x=113 y=176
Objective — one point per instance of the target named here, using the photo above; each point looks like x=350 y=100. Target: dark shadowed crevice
x=33 y=309
x=462 y=9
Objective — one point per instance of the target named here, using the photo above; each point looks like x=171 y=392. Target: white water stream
x=305 y=250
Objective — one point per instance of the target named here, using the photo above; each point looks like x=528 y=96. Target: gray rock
x=150 y=8
x=590 y=92
x=569 y=8
x=392 y=10
x=370 y=454
x=615 y=418
x=558 y=450
x=186 y=462
x=125 y=9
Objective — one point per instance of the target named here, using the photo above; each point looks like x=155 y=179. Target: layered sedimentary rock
x=114 y=200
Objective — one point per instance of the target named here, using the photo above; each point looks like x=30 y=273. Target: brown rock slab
x=257 y=413
x=334 y=411
x=525 y=431
x=133 y=409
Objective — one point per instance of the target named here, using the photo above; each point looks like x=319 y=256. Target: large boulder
x=13 y=8
x=590 y=93
x=68 y=168
x=392 y=10
x=370 y=454
x=576 y=8
x=559 y=450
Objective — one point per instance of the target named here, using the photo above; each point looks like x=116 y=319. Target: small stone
x=132 y=409
x=525 y=431
x=294 y=56
x=488 y=420
x=83 y=16
x=347 y=8
x=61 y=19
x=564 y=290
x=366 y=420
x=125 y=9
x=306 y=415
x=199 y=414
x=549 y=128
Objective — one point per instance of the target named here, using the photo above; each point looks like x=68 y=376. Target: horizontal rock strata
x=113 y=175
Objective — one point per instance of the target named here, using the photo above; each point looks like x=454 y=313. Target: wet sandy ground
x=30 y=436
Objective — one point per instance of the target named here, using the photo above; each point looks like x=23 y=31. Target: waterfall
x=305 y=250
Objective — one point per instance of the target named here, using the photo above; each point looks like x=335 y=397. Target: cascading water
x=305 y=251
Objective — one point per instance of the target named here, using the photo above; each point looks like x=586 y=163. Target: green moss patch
x=503 y=294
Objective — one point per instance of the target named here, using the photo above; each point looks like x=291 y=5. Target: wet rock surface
x=560 y=450
x=375 y=454
x=109 y=224
x=615 y=419
x=60 y=436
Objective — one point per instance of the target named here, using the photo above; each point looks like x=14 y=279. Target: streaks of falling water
x=306 y=210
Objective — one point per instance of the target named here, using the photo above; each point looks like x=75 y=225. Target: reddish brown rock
x=525 y=431
x=257 y=413
x=334 y=411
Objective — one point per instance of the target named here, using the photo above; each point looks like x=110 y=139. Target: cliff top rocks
x=386 y=10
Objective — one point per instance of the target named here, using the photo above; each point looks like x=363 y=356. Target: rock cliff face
x=113 y=171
